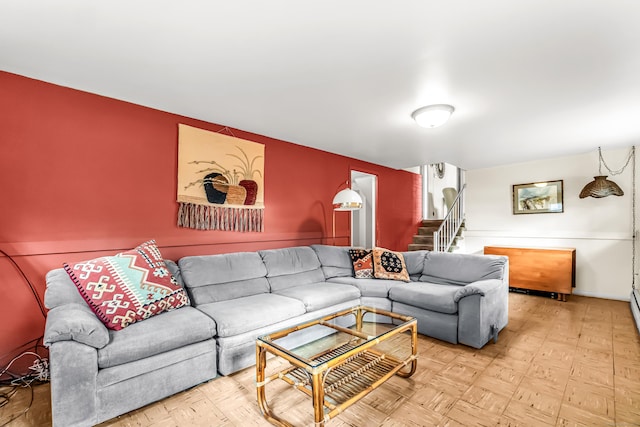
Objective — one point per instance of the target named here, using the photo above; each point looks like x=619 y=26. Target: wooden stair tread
x=423 y=239
x=431 y=223
x=427 y=230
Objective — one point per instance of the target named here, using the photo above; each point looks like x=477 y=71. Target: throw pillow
x=362 y=263
x=128 y=287
x=389 y=265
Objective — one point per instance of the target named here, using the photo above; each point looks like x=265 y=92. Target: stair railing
x=445 y=235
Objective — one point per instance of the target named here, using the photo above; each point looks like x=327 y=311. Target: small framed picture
x=538 y=197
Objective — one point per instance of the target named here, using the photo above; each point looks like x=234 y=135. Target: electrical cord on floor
x=39 y=370
x=20 y=414
x=38 y=373
x=6 y=396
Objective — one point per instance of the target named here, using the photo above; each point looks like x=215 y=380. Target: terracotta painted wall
x=84 y=176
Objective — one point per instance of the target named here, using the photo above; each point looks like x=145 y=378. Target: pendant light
x=601 y=186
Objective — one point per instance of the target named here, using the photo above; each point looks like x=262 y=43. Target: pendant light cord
x=632 y=154
x=619 y=171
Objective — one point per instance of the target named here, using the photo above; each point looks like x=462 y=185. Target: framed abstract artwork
x=538 y=197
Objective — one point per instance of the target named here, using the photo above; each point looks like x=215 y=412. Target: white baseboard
x=604 y=296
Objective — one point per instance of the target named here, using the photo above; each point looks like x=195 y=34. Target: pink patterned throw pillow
x=128 y=287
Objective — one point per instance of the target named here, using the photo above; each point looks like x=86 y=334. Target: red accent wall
x=84 y=175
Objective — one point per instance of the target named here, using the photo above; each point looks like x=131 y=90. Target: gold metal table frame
x=336 y=378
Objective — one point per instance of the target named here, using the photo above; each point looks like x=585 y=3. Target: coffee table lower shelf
x=348 y=382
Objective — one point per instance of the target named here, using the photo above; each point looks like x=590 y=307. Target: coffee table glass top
x=319 y=341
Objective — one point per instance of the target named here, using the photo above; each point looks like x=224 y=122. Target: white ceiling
x=529 y=79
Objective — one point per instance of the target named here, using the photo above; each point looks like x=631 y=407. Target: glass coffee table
x=338 y=359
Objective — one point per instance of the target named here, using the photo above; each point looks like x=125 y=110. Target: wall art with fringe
x=220 y=181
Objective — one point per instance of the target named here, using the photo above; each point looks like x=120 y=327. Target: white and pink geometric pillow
x=128 y=287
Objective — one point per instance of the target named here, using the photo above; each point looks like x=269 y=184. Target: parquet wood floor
x=574 y=363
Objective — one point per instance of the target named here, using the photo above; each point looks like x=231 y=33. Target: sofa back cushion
x=335 y=260
x=289 y=267
x=414 y=260
x=61 y=290
x=214 y=278
x=175 y=271
x=460 y=269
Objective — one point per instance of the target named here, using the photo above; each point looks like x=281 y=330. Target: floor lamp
x=345 y=200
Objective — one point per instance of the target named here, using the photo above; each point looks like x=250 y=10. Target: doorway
x=363 y=221
x=435 y=179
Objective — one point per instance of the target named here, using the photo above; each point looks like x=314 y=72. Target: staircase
x=445 y=233
x=424 y=239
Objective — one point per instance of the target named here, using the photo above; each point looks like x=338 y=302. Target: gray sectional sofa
x=97 y=374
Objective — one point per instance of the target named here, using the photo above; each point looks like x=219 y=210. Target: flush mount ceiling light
x=433 y=116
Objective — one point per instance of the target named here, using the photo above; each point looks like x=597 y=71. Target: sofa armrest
x=481 y=287
x=74 y=372
x=483 y=310
x=75 y=322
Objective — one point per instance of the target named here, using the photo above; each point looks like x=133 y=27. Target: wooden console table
x=540 y=269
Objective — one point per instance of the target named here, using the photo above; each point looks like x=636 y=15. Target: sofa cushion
x=213 y=278
x=335 y=260
x=369 y=287
x=389 y=265
x=362 y=262
x=61 y=290
x=236 y=352
x=159 y=334
x=414 y=260
x=290 y=267
x=246 y=314
x=128 y=287
x=158 y=365
x=429 y=296
x=280 y=262
x=461 y=269
x=320 y=295
x=174 y=269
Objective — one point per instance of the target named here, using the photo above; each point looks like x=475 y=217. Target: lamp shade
x=347 y=200
x=433 y=116
x=601 y=187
